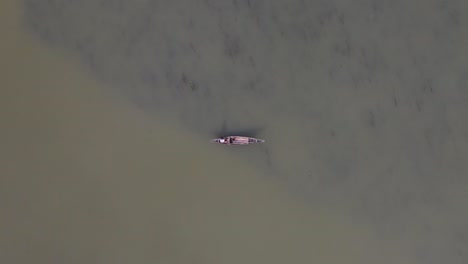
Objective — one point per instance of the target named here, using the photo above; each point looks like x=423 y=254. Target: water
x=114 y=102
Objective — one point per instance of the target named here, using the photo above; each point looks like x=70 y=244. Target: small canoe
x=237 y=140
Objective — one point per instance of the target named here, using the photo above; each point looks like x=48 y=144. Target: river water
x=108 y=108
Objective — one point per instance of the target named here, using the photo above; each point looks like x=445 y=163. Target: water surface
x=362 y=107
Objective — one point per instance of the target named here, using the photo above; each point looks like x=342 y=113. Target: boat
x=237 y=140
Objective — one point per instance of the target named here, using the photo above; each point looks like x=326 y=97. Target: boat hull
x=237 y=140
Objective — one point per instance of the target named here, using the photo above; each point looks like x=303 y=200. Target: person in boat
x=225 y=140
x=229 y=140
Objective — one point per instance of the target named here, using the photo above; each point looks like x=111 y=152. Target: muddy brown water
x=107 y=108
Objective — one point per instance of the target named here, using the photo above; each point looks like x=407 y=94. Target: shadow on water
x=248 y=132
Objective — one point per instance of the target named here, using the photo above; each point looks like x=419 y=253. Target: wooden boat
x=237 y=140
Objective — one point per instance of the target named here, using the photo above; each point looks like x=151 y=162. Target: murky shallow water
x=361 y=106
